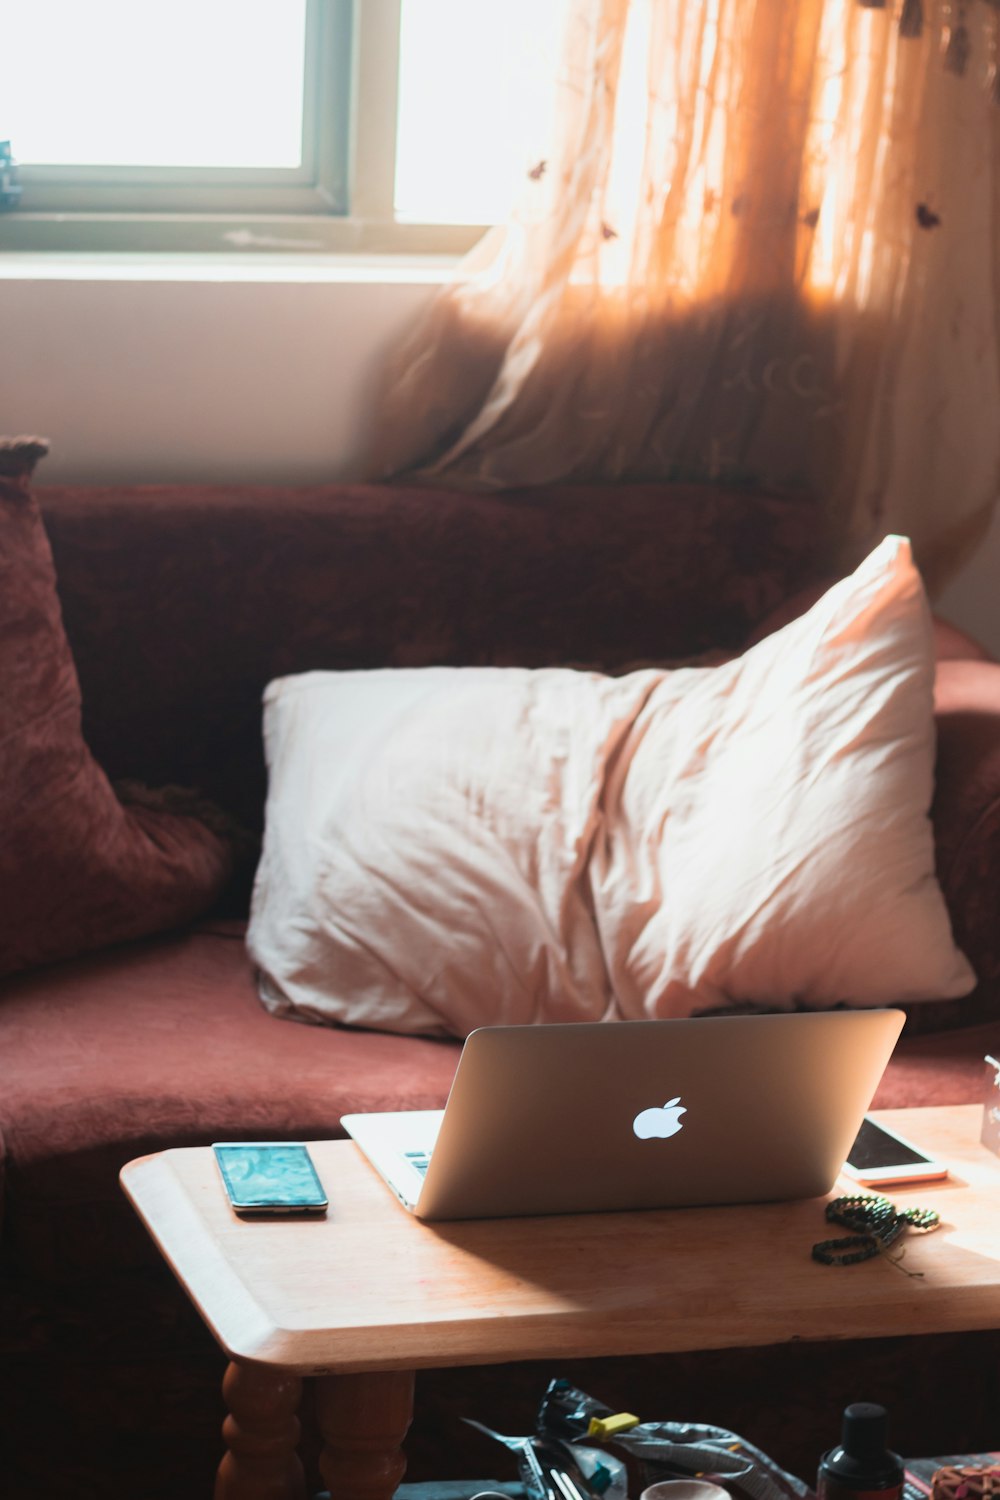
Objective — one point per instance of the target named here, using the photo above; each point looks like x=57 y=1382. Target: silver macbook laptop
x=637 y=1114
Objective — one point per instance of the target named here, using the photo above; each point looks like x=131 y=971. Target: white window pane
x=187 y=83
x=475 y=99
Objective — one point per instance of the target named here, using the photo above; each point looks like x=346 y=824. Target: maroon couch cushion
x=78 y=870
x=257 y=582
x=966 y=817
x=164 y=1043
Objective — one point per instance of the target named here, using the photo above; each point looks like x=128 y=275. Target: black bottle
x=862 y=1468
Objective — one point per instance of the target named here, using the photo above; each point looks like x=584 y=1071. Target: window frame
x=339 y=200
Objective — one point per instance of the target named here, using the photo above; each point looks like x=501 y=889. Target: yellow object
x=605 y=1427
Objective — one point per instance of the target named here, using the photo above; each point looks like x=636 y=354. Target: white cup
x=685 y=1489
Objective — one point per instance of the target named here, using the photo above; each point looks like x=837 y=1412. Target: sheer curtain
x=759 y=247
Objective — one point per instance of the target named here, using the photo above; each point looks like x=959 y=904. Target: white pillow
x=452 y=847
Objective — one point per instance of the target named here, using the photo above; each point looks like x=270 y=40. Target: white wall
x=154 y=370
x=176 y=368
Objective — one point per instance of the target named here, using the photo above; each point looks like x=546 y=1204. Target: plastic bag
x=554 y=1464
x=688 y=1450
x=582 y=1450
x=551 y=1468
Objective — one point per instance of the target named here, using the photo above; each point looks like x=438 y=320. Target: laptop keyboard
x=419 y=1161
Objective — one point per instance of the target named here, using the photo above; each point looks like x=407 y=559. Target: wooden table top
x=371 y=1288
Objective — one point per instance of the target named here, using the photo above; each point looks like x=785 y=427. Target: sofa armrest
x=966 y=817
x=951 y=643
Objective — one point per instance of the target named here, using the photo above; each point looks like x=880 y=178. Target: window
x=303 y=125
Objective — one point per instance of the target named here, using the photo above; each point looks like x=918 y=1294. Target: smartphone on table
x=880 y=1157
x=270 y=1177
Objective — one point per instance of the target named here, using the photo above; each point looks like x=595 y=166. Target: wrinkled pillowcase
x=447 y=848
x=78 y=870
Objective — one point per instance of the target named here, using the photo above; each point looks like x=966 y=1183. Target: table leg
x=261 y=1433
x=363 y=1420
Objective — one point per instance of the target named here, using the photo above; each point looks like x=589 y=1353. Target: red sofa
x=180 y=605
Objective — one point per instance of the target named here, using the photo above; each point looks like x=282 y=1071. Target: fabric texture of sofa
x=180 y=604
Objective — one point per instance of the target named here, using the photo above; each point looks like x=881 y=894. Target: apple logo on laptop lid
x=661 y=1121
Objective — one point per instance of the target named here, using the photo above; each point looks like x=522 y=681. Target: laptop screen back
x=647 y=1114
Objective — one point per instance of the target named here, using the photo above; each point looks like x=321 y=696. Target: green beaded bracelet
x=877 y=1226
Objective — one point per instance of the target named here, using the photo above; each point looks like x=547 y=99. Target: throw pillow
x=447 y=848
x=78 y=870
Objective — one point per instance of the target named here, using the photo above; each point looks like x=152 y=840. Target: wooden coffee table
x=361 y=1299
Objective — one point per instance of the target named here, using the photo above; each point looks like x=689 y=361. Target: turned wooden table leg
x=363 y=1420
x=261 y=1434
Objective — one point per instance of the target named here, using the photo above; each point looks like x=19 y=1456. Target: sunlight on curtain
x=760 y=247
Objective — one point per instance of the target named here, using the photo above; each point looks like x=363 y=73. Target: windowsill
x=327 y=245
x=242 y=266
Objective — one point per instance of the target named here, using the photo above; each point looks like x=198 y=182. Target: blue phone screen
x=270 y=1175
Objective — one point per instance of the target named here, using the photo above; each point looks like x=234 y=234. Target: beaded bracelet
x=877 y=1224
